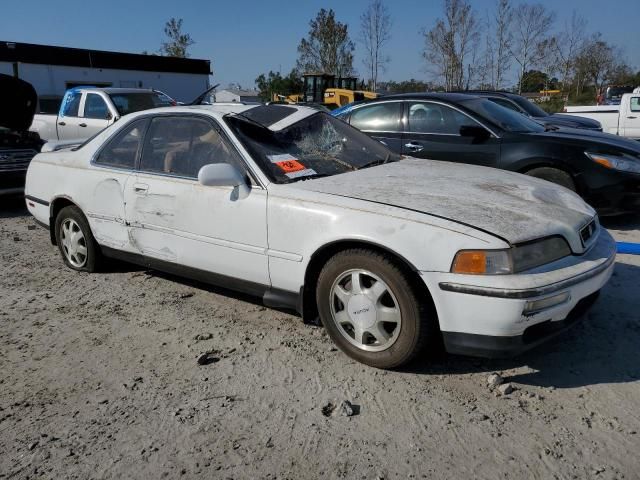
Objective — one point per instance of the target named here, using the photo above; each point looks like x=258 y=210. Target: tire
x=355 y=325
x=553 y=175
x=75 y=241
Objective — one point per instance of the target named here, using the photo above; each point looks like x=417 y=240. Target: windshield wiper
x=375 y=163
x=309 y=177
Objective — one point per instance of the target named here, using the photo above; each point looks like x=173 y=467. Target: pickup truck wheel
x=553 y=175
x=77 y=246
x=371 y=310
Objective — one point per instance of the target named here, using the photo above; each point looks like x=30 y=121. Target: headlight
x=624 y=162
x=513 y=260
x=538 y=253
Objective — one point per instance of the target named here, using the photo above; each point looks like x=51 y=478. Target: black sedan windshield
x=529 y=107
x=316 y=146
x=502 y=117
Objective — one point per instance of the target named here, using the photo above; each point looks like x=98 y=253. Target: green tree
x=407 y=86
x=535 y=80
x=177 y=42
x=328 y=48
x=274 y=83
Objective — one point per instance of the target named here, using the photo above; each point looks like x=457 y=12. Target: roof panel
x=78 y=57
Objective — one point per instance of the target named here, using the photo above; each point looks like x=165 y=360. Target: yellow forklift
x=328 y=90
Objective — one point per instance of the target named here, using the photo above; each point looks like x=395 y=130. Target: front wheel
x=371 y=310
x=75 y=241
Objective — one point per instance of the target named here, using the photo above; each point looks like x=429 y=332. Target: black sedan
x=520 y=104
x=604 y=169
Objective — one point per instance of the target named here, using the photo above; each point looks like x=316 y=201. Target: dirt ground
x=100 y=380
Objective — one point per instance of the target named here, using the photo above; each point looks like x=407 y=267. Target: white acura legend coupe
x=392 y=254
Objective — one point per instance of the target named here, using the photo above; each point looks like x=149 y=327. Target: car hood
x=602 y=142
x=572 y=121
x=18 y=99
x=514 y=207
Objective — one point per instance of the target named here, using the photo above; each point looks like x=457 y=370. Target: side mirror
x=108 y=116
x=224 y=175
x=474 y=131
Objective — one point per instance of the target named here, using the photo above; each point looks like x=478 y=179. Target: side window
x=71 y=104
x=506 y=104
x=95 y=107
x=183 y=145
x=122 y=150
x=635 y=104
x=381 y=117
x=436 y=118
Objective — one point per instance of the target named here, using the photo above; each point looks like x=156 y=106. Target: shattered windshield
x=316 y=146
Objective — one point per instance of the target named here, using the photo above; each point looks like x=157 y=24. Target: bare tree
x=178 y=42
x=598 y=61
x=328 y=48
x=568 y=46
x=530 y=26
x=486 y=70
x=548 y=60
x=449 y=42
x=375 y=32
x=503 y=39
x=475 y=69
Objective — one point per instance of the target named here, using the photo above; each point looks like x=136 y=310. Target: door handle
x=82 y=125
x=632 y=117
x=414 y=147
x=140 y=188
x=61 y=124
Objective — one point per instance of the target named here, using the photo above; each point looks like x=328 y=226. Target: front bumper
x=612 y=192
x=492 y=316
x=499 y=347
x=12 y=182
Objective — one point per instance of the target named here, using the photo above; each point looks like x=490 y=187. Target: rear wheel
x=554 y=175
x=371 y=310
x=75 y=241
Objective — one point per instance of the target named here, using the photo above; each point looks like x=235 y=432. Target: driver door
x=433 y=132
x=175 y=219
x=95 y=115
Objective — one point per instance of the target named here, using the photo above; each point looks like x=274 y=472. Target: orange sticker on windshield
x=289 y=166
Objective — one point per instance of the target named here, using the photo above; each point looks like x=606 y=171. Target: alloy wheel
x=365 y=310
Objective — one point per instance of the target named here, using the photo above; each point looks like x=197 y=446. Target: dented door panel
x=180 y=221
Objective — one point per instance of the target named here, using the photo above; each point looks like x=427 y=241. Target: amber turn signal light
x=470 y=261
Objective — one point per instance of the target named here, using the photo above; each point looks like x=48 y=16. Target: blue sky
x=244 y=39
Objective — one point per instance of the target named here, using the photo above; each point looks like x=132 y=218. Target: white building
x=52 y=70
x=237 y=95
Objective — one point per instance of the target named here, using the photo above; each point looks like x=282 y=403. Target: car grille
x=587 y=233
x=15 y=160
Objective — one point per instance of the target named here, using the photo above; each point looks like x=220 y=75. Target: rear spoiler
x=56 y=145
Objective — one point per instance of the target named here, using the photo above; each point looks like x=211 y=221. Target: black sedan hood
x=572 y=121
x=601 y=142
x=18 y=99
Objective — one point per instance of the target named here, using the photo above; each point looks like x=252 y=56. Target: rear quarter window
x=122 y=151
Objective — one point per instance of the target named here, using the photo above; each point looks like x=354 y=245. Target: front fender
x=299 y=227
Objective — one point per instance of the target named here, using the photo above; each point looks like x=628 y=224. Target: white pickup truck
x=623 y=119
x=86 y=111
